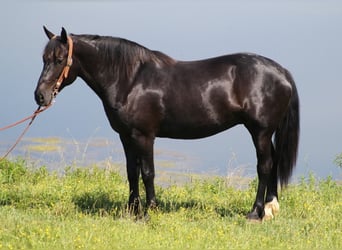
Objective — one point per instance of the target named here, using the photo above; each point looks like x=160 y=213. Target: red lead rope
x=32 y=117
x=25 y=119
x=61 y=78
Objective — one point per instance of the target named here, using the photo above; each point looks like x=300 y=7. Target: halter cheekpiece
x=66 y=68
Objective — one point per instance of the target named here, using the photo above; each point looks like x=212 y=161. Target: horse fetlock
x=271 y=209
x=152 y=204
x=134 y=205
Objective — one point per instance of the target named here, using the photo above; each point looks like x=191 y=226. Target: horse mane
x=125 y=56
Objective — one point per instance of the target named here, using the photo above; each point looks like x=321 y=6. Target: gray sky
x=303 y=36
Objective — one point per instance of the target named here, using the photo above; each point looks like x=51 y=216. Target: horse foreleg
x=148 y=174
x=133 y=172
x=140 y=151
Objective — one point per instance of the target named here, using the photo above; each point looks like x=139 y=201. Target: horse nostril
x=40 y=99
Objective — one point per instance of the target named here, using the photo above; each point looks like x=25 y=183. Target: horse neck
x=108 y=67
x=93 y=69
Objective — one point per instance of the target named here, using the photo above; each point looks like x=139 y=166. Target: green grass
x=85 y=208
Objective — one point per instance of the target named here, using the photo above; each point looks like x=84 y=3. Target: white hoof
x=271 y=209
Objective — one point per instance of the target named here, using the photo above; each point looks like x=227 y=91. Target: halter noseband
x=66 y=68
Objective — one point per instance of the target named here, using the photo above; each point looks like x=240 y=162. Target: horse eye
x=59 y=61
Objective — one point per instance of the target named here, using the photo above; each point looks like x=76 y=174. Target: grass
x=85 y=208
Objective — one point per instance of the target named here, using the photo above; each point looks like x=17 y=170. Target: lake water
x=176 y=161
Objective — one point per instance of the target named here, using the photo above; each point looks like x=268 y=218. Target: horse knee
x=147 y=174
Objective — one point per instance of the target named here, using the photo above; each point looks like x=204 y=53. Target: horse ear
x=64 y=36
x=48 y=33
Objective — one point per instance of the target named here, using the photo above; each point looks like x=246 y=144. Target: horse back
x=201 y=98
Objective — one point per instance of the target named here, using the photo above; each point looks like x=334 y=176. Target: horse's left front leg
x=145 y=152
x=148 y=174
x=133 y=172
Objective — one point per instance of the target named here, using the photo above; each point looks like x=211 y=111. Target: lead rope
x=61 y=78
x=32 y=117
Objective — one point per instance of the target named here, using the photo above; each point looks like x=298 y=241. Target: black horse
x=146 y=94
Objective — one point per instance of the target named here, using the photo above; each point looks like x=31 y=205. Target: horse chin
x=50 y=101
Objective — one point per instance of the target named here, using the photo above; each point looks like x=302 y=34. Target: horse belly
x=193 y=132
x=195 y=125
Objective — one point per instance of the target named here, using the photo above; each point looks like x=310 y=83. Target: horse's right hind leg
x=271 y=202
x=262 y=139
x=271 y=209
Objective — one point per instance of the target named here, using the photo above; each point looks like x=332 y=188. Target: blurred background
x=303 y=36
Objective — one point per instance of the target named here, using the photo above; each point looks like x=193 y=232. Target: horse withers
x=147 y=94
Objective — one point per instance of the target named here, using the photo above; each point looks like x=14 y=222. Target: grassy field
x=85 y=208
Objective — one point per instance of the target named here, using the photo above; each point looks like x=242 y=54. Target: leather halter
x=66 y=68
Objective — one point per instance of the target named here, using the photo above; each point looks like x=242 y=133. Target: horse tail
x=287 y=137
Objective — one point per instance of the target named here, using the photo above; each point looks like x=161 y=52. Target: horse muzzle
x=43 y=98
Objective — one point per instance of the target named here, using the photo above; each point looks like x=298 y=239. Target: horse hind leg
x=272 y=205
x=262 y=139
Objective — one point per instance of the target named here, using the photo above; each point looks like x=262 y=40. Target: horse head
x=57 y=70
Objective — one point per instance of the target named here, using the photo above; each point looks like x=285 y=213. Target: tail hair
x=287 y=137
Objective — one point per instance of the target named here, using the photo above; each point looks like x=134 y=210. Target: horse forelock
x=51 y=46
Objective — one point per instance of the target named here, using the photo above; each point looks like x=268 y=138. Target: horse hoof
x=146 y=217
x=253 y=217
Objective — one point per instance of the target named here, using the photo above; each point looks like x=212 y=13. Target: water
x=176 y=161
